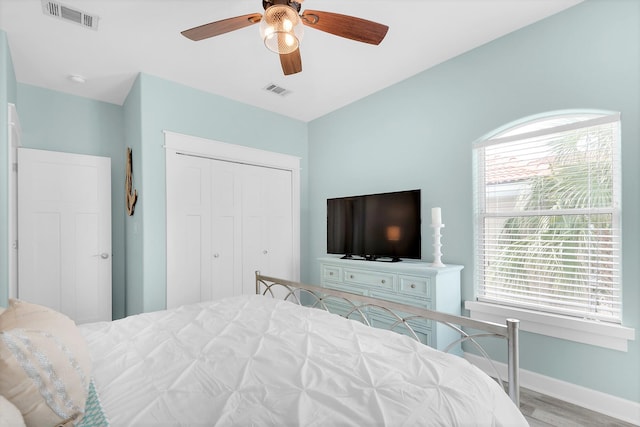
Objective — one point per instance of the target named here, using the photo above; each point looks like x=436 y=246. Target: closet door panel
x=226 y=225
x=278 y=233
x=224 y=268
x=188 y=220
x=192 y=260
x=254 y=248
x=267 y=218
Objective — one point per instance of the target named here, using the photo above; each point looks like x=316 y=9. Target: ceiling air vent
x=277 y=89
x=70 y=14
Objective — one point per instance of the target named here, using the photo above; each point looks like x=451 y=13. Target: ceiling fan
x=281 y=28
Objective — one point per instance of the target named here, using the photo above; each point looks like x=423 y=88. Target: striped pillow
x=45 y=366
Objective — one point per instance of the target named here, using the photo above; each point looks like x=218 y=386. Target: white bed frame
x=360 y=307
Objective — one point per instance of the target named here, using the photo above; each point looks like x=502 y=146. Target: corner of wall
x=134 y=271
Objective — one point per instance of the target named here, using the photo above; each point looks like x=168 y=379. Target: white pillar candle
x=436 y=216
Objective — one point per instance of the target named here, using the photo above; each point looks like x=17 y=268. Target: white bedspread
x=252 y=360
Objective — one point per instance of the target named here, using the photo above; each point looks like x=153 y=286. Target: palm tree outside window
x=547 y=216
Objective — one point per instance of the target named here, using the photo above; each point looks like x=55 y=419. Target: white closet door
x=266 y=223
x=226 y=229
x=188 y=230
x=204 y=250
x=231 y=210
x=64 y=232
x=225 y=220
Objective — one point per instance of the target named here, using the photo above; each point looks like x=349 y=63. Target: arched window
x=547 y=216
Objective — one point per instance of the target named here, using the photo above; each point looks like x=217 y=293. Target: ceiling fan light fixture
x=281 y=29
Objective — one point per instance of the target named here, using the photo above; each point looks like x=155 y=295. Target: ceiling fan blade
x=216 y=28
x=291 y=62
x=345 y=26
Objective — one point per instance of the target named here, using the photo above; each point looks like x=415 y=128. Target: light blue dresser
x=410 y=282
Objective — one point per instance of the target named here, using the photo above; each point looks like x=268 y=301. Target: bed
x=269 y=360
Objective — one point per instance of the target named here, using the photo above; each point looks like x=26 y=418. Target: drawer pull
x=331 y=273
x=383 y=281
x=413 y=286
x=351 y=276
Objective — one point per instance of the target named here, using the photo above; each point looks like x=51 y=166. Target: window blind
x=547 y=210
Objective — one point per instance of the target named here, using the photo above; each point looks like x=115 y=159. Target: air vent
x=278 y=90
x=69 y=14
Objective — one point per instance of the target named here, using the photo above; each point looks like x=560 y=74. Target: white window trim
x=602 y=334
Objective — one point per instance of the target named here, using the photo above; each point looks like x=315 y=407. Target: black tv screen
x=375 y=226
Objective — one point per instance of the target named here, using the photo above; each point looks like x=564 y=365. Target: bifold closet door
x=226 y=229
x=267 y=232
x=225 y=220
x=188 y=228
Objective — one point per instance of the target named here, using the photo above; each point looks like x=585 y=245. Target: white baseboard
x=604 y=403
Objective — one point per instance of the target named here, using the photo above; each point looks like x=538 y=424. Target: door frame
x=182 y=144
x=15 y=134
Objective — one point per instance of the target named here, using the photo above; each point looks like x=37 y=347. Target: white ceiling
x=144 y=36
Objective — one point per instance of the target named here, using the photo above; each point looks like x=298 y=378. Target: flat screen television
x=375 y=227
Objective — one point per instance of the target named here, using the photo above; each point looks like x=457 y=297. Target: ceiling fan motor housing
x=281 y=28
x=294 y=4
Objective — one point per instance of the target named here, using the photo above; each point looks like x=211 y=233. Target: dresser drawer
x=402 y=298
x=331 y=273
x=416 y=286
x=342 y=287
x=369 y=278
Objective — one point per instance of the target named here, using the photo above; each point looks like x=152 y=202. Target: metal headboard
x=403 y=315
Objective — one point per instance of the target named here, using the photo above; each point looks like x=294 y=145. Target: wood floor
x=544 y=411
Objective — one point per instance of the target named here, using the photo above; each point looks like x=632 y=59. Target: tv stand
x=412 y=282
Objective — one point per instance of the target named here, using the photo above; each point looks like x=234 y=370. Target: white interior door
x=226 y=227
x=267 y=234
x=188 y=228
x=64 y=233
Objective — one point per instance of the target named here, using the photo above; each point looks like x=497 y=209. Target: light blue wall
x=165 y=105
x=7 y=95
x=419 y=133
x=55 y=121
